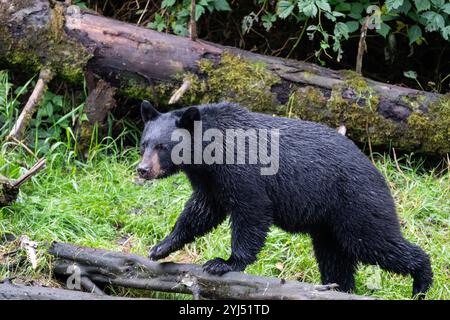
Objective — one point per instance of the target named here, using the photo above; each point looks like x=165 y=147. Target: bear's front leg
x=249 y=231
x=199 y=216
x=163 y=248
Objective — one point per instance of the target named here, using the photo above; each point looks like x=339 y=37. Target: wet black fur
x=325 y=187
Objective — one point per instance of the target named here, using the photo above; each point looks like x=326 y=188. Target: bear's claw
x=217 y=266
x=160 y=251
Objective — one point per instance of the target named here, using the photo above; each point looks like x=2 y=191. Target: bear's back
x=318 y=166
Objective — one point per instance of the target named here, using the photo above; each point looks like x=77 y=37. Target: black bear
x=322 y=185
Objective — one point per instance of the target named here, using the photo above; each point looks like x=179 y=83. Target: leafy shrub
x=330 y=21
x=174 y=15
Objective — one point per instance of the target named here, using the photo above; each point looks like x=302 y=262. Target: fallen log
x=9 y=291
x=147 y=64
x=133 y=271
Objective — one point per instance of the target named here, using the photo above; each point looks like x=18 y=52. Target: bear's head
x=156 y=142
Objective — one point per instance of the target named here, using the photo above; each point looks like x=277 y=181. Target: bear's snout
x=143 y=172
x=150 y=167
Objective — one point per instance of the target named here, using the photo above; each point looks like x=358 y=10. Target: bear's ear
x=148 y=112
x=188 y=117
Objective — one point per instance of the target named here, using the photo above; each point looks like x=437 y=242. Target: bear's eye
x=142 y=148
x=160 y=146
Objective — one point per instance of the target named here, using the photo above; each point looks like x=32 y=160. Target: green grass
x=97 y=203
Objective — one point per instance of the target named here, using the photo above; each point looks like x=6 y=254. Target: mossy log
x=147 y=64
x=128 y=270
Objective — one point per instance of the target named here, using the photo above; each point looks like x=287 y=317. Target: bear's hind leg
x=403 y=257
x=335 y=265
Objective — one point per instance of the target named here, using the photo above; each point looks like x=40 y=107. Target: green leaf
x=267 y=20
x=352 y=26
x=405 y=7
x=389 y=17
x=183 y=13
x=329 y=16
x=438 y=3
x=158 y=24
x=356 y=10
x=167 y=3
x=49 y=109
x=422 y=5
x=221 y=5
x=446 y=33
x=284 y=9
x=180 y=29
x=57 y=100
x=446 y=8
x=199 y=10
x=81 y=4
x=341 y=29
x=410 y=74
x=384 y=29
x=309 y=10
x=434 y=21
x=343 y=7
x=414 y=33
x=338 y=14
x=323 y=5
x=393 y=4
x=324 y=45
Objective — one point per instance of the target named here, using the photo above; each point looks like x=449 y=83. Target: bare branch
x=193 y=23
x=21 y=124
x=180 y=92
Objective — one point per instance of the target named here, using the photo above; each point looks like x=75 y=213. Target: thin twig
x=23 y=145
x=143 y=12
x=180 y=91
x=370 y=143
x=362 y=47
x=396 y=162
x=192 y=23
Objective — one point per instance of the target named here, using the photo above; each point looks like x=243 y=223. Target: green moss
x=414 y=102
x=68 y=57
x=137 y=88
x=233 y=79
x=46 y=46
x=308 y=103
x=426 y=132
x=431 y=131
